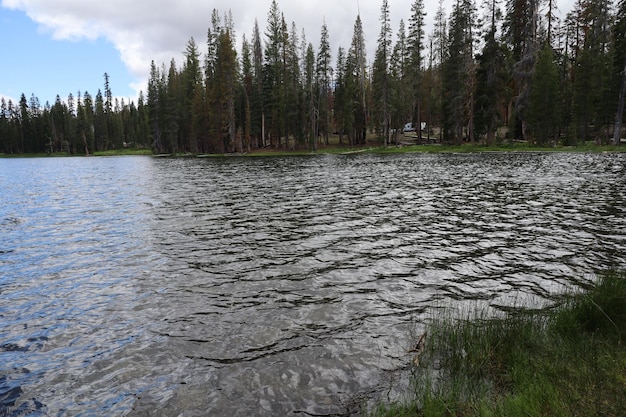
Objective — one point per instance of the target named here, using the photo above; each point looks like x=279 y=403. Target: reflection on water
x=273 y=286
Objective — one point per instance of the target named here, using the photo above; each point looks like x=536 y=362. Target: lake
x=135 y=286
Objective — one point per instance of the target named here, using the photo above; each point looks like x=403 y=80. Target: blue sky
x=35 y=63
x=59 y=47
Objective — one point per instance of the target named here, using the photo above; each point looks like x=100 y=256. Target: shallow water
x=274 y=286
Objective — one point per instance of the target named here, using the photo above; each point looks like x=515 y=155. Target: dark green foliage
x=619 y=69
x=600 y=311
x=544 y=103
x=591 y=83
x=381 y=85
x=491 y=84
x=458 y=75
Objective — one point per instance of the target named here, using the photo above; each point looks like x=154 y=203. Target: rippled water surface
x=274 y=286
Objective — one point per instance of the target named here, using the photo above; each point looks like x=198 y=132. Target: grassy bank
x=113 y=152
x=373 y=147
x=569 y=360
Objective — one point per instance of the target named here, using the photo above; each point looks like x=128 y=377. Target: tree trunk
x=620 y=109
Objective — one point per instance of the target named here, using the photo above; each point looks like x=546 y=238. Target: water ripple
x=273 y=286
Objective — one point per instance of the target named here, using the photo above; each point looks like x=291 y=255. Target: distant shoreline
x=340 y=150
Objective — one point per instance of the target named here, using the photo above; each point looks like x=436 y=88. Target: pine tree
x=324 y=77
x=89 y=138
x=415 y=47
x=192 y=116
x=544 y=102
x=402 y=94
x=381 y=88
x=100 y=123
x=109 y=139
x=225 y=91
x=273 y=75
x=356 y=73
x=458 y=77
x=342 y=109
x=521 y=34
x=257 y=101
x=156 y=107
x=5 y=145
x=292 y=98
x=171 y=113
x=619 y=68
x=247 y=72
x=491 y=78
x=309 y=83
x=591 y=88
x=143 y=121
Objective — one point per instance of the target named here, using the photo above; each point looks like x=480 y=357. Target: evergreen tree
x=619 y=68
x=356 y=80
x=225 y=93
x=156 y=106
x=192 y=115
x=108 y=135
x=324 y=78
x=309 y=82
x=402 y=94
x=89 y=136
x=247 y=71
x=273 y=75
x=9 y=128
x=380 y=77
x=342 y=109
x=5 y=145
x=522 y=20
x=100 y=123
x=439 y=37
x=415 y=47
x=293 y=105
x=143 y=121
x=70 y=125
x=591 y=88
x=257 y=102
x=544 y=101
x=458 y=78
x=491 y=81
x=438 y=55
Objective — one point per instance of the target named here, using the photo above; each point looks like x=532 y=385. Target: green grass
x=123 y=152
x=515 y=147
x=113 y=152
x=567 y=360
x=438 y=148
x=371 y=148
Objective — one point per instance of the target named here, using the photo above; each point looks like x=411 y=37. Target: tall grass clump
x=565 y=360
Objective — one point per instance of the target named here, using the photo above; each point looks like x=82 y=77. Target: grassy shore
x=372 y=147
x=375 y=148
x=567 y=360
x=113 y=152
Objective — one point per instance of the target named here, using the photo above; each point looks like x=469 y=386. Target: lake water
x=274 y=286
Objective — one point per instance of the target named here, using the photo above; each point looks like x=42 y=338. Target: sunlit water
x=275 y=286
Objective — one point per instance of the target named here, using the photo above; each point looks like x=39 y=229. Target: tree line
x=514 y=71
x=80 y=125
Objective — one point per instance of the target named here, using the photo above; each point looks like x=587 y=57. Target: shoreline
x=341 y=150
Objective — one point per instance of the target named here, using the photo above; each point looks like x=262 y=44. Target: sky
x=58 y=47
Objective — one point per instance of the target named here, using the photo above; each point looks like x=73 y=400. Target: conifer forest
x=487 y=71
